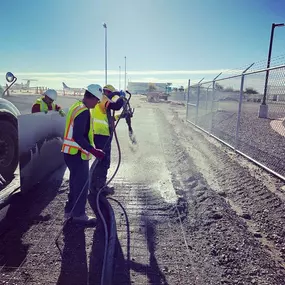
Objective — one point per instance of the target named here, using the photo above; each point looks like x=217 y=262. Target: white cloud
x=82 y=78
x=116 y=72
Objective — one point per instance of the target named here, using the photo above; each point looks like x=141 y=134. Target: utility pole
x=125 y=72
x=119 y=77
x=263 y=109
x=105 y=27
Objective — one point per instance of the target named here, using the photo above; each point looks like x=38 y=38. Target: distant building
x=143 y=87
x=276 y=93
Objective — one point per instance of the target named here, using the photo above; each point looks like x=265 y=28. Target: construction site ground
x=198 y=213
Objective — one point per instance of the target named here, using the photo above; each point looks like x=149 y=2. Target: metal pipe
x=213 y=96
x=240 y=105
x=188 y=93
x=197 y=103
x=207 y=97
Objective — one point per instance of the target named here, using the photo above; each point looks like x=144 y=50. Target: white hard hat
x=95 y=89
x=51 y=93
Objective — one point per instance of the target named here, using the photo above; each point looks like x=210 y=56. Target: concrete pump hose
x=87 y=183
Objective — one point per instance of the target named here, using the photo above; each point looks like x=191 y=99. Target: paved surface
x=197 y=213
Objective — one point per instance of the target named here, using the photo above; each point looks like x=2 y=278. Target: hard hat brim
x=84 y=88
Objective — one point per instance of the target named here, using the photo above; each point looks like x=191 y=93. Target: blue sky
x=164 y=40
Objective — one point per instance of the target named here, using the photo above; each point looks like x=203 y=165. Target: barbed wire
x=258 y=65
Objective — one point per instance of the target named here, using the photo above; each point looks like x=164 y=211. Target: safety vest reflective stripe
x=101 y=122
x=100 y=119
x=72 y=143
x=67 y=148
x=69 y=145
x=70 y=126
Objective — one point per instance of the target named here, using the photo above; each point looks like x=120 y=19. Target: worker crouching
x=46 y=103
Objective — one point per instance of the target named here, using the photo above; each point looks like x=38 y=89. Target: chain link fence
x=245 y=113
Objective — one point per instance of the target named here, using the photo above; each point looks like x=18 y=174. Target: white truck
x=9 y=154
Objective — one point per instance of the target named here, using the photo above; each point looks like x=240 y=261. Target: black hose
x=128 y=230
x=99 y=192
x=93 y=166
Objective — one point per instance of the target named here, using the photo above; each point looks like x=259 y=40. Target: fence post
x=198 y=98
x=212 y=113
x=207 y=98
x=213 y=95
x=197 y=103
x=240 y=105
x=187 y=105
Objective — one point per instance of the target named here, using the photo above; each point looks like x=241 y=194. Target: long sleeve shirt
x=118 y=104
x=81 y=129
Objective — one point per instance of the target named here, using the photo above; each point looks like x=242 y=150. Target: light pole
x=105 y=27
x=125 y=72
x=263 y=110
x=119 y=77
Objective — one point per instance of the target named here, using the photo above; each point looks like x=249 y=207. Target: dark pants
x=79 y=178
x=99 y=176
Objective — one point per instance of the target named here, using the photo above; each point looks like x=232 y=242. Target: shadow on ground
x=23 y=213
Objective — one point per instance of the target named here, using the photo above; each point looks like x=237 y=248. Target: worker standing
x=103 y=127
x=46 y=103
x=78 y=145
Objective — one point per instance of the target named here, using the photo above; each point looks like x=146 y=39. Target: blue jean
x=79 y=178
x=99 y=176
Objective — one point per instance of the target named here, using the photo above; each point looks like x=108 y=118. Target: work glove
x=62 y=113
x=122 y=93
x=117 y=117
x=98 y=153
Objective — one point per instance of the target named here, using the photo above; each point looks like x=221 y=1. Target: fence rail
x=244 y=113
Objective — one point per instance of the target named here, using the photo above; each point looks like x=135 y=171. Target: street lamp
x=105 y=27
x=263 y=107
x=119 y=77
x=125 y=72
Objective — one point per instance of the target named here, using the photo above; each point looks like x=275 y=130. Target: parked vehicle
x=9 y=150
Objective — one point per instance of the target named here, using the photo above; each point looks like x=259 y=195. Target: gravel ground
x=256 y=137
x=197 y=212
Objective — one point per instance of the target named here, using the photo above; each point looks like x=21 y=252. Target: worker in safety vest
x=103 y=126
x=78 y=147
x=46 y=103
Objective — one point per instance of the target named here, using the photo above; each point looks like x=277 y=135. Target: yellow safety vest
x=100 y=118
x=69 y=145
x=43 y=105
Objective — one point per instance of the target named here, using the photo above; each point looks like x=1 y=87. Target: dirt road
x=198 y=214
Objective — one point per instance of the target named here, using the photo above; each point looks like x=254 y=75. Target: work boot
x=85 y=219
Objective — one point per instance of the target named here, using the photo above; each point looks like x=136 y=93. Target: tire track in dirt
x=223 y=249
x=248 y=188
x=244 y=185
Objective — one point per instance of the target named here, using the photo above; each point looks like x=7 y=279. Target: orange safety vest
x=69 y=145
